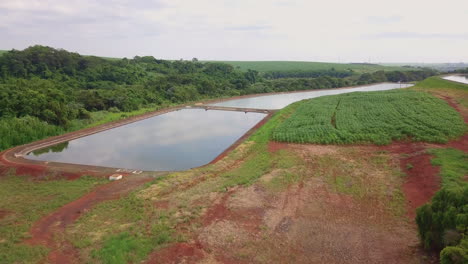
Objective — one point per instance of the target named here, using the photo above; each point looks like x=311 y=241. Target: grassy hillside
x=377 y=117
x=441 y=87
x=265 y=66
x=439 y=83
x=438 y=66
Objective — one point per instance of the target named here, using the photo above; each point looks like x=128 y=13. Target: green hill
x=266 y=66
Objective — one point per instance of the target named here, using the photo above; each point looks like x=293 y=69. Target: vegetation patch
x=288 y=66
x=438 y=83
x=26 y=201
x=439 y=86
x=443 y=223
x=125 y=248
x=371 y=117
x=258 y=160
x=121 y=231
x=453 y=163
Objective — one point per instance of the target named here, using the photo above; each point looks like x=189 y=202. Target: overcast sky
x=324 y=30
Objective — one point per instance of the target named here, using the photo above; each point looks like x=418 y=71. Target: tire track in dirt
x=43 y=231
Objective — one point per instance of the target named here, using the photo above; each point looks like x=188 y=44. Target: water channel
x=278 y=101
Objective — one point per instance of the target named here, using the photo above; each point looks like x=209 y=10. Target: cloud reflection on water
x=174 y=141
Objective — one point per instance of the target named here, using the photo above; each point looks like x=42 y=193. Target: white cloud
x=333 y=30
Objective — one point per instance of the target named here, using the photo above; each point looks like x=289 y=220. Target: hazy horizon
x=333 y=31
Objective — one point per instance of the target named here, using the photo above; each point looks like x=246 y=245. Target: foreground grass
x=453 y=166
x=439 y=83
x=121 y=231
x=376 y=117
x=258 y=160
x=439 y=86
x=25 y=201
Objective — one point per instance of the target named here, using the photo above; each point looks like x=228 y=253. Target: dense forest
x=44 y=90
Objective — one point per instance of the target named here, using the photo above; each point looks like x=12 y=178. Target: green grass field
x=453 y=165
x=371 y=117
x=24 y=201
x=439 y=83
x=266 y=66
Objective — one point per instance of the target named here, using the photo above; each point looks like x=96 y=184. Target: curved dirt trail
x=43 y=231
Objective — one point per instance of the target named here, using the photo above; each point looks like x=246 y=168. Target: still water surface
x=279 y=101
x=177 y=140
x=457 y=78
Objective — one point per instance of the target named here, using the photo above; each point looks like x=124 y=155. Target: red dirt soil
x=274 y=146
x=249 y=219
x=422 y=179
x=178 y=253
x=43 y=230
x=461 y=143
x=42 y=172
x=162 y=204
x=4 y=213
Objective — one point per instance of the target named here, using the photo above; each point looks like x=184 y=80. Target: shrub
x=443 y=224
x=454 y=255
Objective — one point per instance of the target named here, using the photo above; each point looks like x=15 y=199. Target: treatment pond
x=176 y=140
x=278 y=101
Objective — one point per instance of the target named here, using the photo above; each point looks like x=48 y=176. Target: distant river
x=457 y=78
x=278 y=101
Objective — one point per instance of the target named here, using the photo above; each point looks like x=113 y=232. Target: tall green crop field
x=371 y=117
